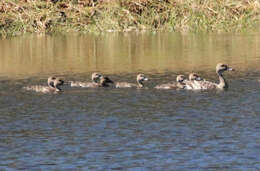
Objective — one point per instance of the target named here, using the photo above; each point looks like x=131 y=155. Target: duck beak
x=198 y=79
x=231 y=69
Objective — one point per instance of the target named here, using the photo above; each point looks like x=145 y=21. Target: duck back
x=208 y=85
x=167 y=86
x=125 y=85
x=40 y=89
x=83 y=84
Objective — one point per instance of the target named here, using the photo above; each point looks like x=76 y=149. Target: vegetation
x=58 y=16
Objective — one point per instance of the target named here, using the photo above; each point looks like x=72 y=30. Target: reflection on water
x=129 y=129
x=117 y=53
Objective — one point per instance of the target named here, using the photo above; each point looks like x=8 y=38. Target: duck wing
x=208 y=85
x=40 y=89
x=83 y=84
x=167 y=86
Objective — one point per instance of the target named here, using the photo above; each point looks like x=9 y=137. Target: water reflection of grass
x=52 y=16
x=129 y=53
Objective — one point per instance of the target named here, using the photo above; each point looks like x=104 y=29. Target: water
x=129 y=129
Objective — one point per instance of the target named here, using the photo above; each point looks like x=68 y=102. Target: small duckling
x=194 y=82
x=94 y=77
x=140 y=79
x=220 y=68
x=179 y=84
x=104 y=82
x=54 y=84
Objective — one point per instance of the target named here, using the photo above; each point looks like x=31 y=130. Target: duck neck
x=181 y=85
x=51 y=85
x=222 y=82
x=140 y=84
x=103 y=84
x=57 y=88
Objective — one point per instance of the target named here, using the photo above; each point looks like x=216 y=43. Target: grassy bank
x=58 y=16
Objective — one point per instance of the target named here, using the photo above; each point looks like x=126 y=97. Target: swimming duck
x=54 y=84
x=220 y=68
x=194 y=82
x=140 y=79
x=94 y=77
x=179 y=84
x=104 y=81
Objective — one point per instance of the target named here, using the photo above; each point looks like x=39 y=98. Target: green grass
x=42 y=16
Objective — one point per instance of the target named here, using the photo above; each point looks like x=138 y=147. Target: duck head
x=194 y=77
x=51 y=80
x=95 y=77
x=57 y=83
x=220 y=68
x=180 y=78
x=140 y=79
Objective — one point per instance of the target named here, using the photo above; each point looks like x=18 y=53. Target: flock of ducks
x=195 y=82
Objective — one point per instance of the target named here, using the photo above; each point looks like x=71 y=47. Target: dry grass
x=58 y=16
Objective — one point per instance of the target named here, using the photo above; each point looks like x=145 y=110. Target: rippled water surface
x=129 y=129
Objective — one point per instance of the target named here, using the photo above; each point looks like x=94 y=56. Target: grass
x=48 y=16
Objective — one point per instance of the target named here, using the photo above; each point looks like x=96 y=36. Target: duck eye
x=223 y=66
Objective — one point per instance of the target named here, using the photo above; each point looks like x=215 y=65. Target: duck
x=54 y=84
x=104 y=82
x=222 y=85
x=95 y=77
x=179 y=84
x=140 y=78
x=194 y=82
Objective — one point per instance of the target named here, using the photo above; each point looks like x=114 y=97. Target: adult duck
x=222 y=85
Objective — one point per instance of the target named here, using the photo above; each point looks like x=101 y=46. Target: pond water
x=129 y=129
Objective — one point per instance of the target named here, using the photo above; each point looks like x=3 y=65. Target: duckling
x=220 y=68
x=104 y=82
x=140 y=79
x=94 y=77
x=53 y=86
x=179 y=84
x=194 y=82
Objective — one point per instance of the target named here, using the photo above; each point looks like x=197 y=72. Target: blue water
x=130 y=129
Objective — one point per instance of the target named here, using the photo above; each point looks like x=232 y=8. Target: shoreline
x=51 y=17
